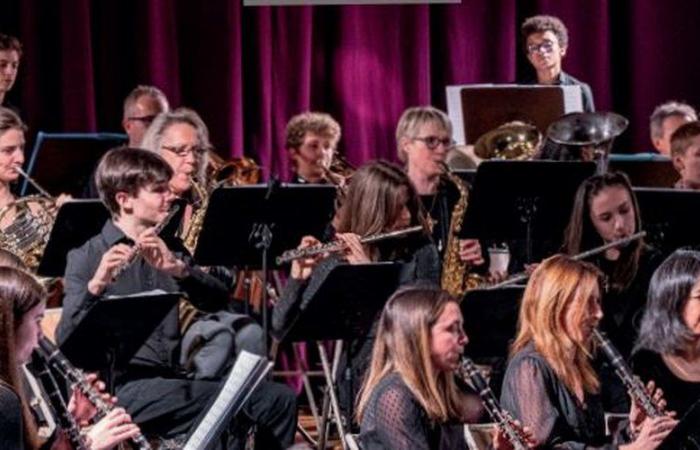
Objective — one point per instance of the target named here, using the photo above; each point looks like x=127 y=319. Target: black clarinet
x=633 y=384
x=504 y=421
x=68 y=424
x=77 y=380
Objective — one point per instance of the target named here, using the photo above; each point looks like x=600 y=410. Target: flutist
x=551 y=384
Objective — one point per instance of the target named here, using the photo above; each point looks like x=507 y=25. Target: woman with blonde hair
x=550 y=383
x=409 y=399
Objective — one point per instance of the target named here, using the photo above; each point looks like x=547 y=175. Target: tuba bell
x=25 y=225
x=510 y=141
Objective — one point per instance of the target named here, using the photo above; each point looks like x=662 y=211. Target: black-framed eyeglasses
x=147 y=120
x=545 y=46
x=184 y=150
x=432 y=142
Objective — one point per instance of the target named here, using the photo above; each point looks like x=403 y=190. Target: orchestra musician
x=665 y=120
x=11 y=152
x=10 y=54
x=22 y=304
x=141 y=107
x=409 y=399
x=685 y=154
x=311 y=139
x=380 y=198
x=550 y=384
x=668 y=348
x=154 y=388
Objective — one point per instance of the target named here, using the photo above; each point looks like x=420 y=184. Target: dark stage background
x=247 y=70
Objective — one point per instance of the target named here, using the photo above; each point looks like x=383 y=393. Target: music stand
x=526 y=201
x=76 y=222
x=344 y=306
x=646 y=171
x=109 y=334
x=669 y=216
x=63 y=162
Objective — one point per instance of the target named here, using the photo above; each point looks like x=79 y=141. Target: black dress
x=394 y=420
x=534 y=394
x=680 y=395
x=11 y=436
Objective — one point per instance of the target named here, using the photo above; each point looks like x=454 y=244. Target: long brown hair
x=19 y=293
x=581 y=235
x=558 y=284
x=402 y=346
x=374 y=200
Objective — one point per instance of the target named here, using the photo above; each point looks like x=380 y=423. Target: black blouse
x=394 y=420
x=534 y=394
x=680 y=395
x=11 y=436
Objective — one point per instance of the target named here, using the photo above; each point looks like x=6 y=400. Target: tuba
x=25 y=224
x=513 y=141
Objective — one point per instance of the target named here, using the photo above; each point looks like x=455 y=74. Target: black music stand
x=63 y=162
x=110 y=334
x=526 y=201
x=653 y=172
x=76 y=222
x=248 y=226
x=670 y=217
x=686 y=435
x=344 y=305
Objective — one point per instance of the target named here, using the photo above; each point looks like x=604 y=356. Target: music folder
x=76 y=222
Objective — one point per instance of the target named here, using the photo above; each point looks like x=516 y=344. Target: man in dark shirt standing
x=156 y=391
x=546 y=40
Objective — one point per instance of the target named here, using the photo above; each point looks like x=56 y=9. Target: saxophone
x=190 y=235
x=455 y=278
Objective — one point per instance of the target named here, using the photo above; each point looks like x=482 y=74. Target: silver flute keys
x=504 y=421
x=77 y=380
x=633 y=384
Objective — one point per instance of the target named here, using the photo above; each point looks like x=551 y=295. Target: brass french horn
x=511 y=141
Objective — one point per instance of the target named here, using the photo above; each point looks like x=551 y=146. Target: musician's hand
x=637 y=414
x=61 y=199
x=470 y=252
x=355 y=252
x=114 y=428
x=158 y=255
x=529 y=268
x=501 y=442
x=302 y=268
x=111 y=260
x=652 y=432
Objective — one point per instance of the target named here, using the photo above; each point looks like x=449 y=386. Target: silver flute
x=75 y=377
x=583 y=255
x=335 y=246
x=504 y=421
x=635 y=387
x=40 y=368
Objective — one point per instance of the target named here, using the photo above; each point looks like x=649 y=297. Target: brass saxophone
x=455 y=278
x=190 y=235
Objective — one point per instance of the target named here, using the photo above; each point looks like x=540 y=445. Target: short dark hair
x=125 y=169
x=666 y=110
x=662 y=329
x=145 y=91
x=8 y=43
x=311 y=122
x=542 y=23
x=683 y=136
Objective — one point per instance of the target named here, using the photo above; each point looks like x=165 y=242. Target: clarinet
x=504 y=421
x=66 y=420
x=76 y=378
x=633 y=384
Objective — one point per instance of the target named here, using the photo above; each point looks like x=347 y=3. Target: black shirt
x=11 y=435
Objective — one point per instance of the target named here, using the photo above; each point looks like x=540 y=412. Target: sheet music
x=248 y=371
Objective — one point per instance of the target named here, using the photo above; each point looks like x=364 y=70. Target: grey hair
x=145 y=91
x=414 y=118
x=153 y=136
x=666 y=110
x=663 y=330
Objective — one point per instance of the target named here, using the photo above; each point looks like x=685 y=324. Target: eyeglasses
x=432 y=142
x=145 y=119
x=184 y=150
x=545 y=46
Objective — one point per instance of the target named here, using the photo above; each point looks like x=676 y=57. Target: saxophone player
x=311 y=140
x=424 y=137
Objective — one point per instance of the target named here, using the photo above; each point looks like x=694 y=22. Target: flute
x=504 y=421
x=583 y=255
x=136 y=253
x=75 y=377
x=335 y=246
x=633 y=384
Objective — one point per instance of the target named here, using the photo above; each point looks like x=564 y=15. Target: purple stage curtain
x=247 y=70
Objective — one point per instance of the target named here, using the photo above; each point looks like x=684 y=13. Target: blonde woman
x=550 y=383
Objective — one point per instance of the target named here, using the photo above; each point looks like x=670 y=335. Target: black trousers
x=169 y=407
